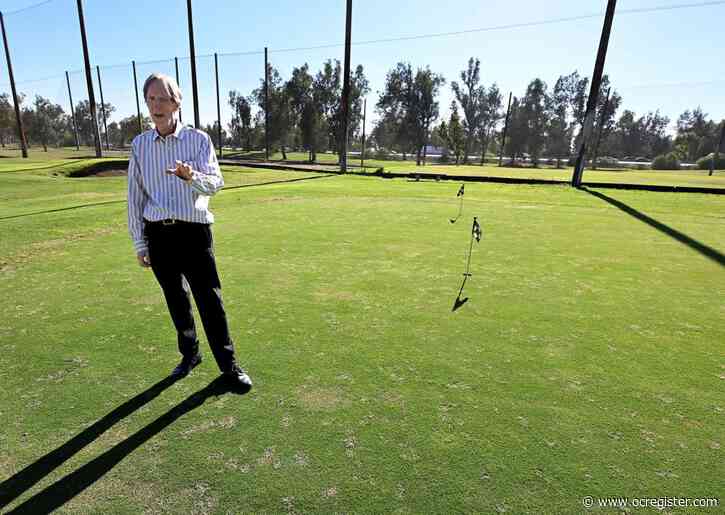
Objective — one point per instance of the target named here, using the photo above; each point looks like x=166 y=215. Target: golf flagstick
x=460 y=193
x=476 y=234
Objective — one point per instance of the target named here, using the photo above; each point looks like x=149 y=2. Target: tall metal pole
x=505 y=130
x=192 y=55
x=138 y=106
x=73 y=113
x=176 y=64
x=103 y=107
x=601 y=129
x=266 y=106
x=89 y=82
x=18 y=118
x=218 y=110
x=346 y=88
x=576 y=178
x=716 y=154
x=362 y=153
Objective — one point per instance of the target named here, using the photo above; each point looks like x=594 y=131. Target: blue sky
x=669 y=60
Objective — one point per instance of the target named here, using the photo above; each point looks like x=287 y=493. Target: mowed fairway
x=589 y=359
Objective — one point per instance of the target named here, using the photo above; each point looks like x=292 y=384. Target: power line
x=513 y=25
x=550 y=21
x=16 y=11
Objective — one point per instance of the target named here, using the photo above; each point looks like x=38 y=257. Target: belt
x=167 y=221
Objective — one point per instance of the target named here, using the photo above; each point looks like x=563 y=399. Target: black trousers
x=182 y=258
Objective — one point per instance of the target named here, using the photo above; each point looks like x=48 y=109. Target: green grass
x=68 y=157
x=693 y=178
x=588 y=360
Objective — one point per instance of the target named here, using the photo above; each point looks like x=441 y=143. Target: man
x=172 y=173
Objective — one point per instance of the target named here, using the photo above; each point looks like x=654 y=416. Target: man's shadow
x=74 y=483
x=695 y=245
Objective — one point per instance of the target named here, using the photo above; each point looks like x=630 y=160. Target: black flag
x=476 y=229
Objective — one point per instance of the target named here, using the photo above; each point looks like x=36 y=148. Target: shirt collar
x=178 y=133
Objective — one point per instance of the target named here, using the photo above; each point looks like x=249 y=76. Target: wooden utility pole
x=601 y=128
x=103 y=106
x=176 y=65
x=362 y=152
x=346 y=88
x=218 y=110
x=716 y=154
x=192 y=55
x=576 y=178
x=138 y=106
x=73 y=113
x=266 y=106
x=89 y=81
x=18 y=118
x=505 y=130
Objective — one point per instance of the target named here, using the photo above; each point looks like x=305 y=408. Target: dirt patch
x=110 y=173
x=100 y=168
x=320 y=399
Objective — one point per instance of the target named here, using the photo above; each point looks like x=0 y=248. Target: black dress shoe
x=238 y=378
x=186 y=366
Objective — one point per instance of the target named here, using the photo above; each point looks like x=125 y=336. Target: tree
x=213 y=131
x=308 y=102
x=29 y=122
x=696 y=135
x=490 y=116
x=7 y=119
x=408 y=106
x=644 y=136
x=471 y=98
x=328 y=85
x=560 y=129
x=241 y=124
x=536 y=118
x=47 y=120
x=455 y=135
x=578 y=94
x=314 y=130
x=516 y=140
x=299 y=92
x=424 y=108
x=128 y=129
x=604 y=121
x=84 y=122
x=278 y=117
x=393 y=107
x=384 y=134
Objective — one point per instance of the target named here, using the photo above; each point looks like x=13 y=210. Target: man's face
x=161 y=106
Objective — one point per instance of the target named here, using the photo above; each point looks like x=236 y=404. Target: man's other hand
x=143 y=259
x=182 y=171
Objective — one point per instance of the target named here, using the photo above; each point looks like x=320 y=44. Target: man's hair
x=169 y=84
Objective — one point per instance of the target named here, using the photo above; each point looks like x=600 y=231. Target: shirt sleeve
x=206 y=178
x=137 y=198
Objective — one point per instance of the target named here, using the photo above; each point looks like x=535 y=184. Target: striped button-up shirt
x=156 y=195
